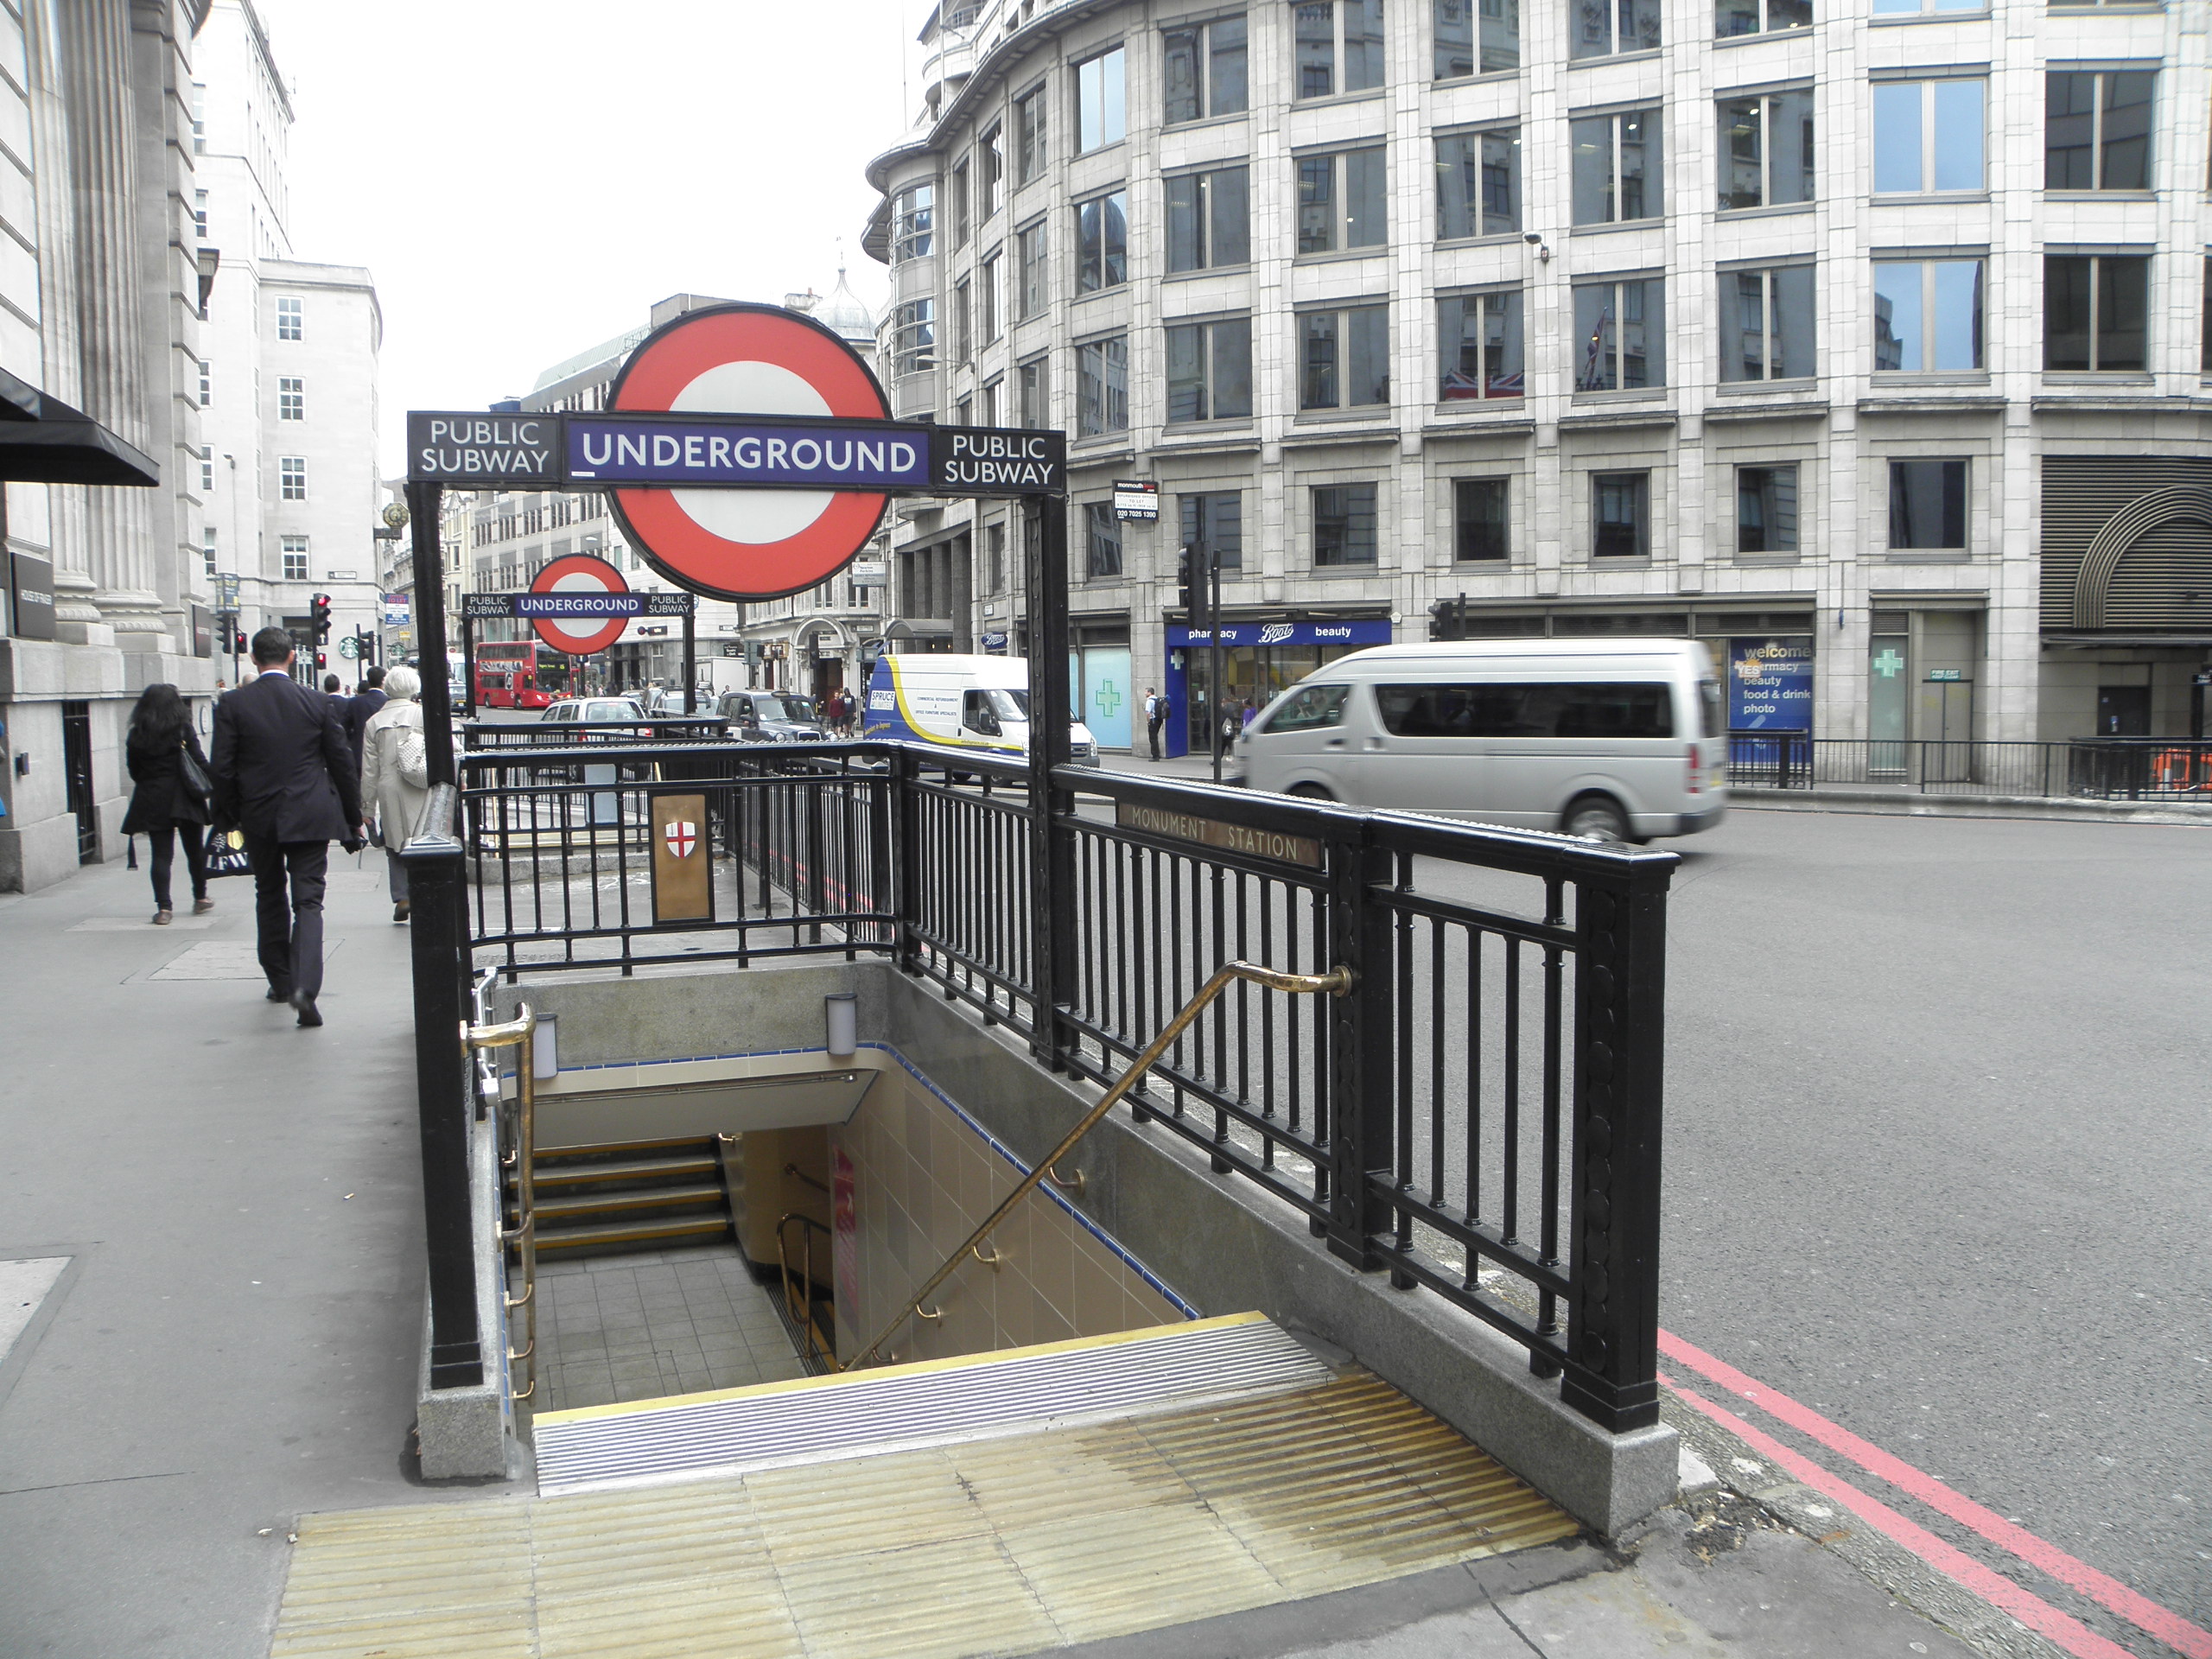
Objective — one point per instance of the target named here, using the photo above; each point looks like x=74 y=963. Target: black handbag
x=192 y=778
x=226 y=854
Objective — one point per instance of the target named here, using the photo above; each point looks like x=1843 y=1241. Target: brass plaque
x=683 y=865
x=1213 y=832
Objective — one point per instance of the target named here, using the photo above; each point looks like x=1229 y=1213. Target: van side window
x=1552 y=710
x=977 y=715
x=1308 y=708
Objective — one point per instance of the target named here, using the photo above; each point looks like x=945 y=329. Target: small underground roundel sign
x=578 y=604
x=748 y=359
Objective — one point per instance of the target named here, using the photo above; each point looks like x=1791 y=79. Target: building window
x=1766 y=150
x=1928 y=504
x=1928 y=316
x=1340 y=200
x=206 y=384
x=294 y=549
x=1101 y=103
x=1102 y=242
x=1209 y=370
x=199 y=119
x=1766 y=324
x=987 y=301
x=964 y=411
x=1338 y=45
x=995 y=558
x=1030 y=153
x=964 y=342
x=2096 y=309
x=913 y=338
x=1205 y=72
x=1735 y=17
x=992 y=399
x=1479 y=531
x=1214 y=520
x=1766 y=509
x=1479 y=338
x=1102 y=386
x=1030 y=389
x=1102 y=538
x=914 y=213
x=292 y=475
x=1029 y=254
x=207 y=547
x=990 y=167
x=290 y=322
x=1476 y=37
x=199 y=214
x=1478 y=184
x=1615 y=167
x=1928 y=136
x=1620 y=329
x=1344 y=358
x=2096 y=129
x=1343 y=525
x=1210 y=220
x=1605 y=29
x=1620 y=515
x=206 y=469
x=291 y=398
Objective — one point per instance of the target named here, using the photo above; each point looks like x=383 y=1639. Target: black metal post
x=443 y=1085
x=422 y=502
x=1361 y=1070
x=1053 y=891
x=1215 y=702
x=690 y=664
x=1620 y=988
x=469 y=665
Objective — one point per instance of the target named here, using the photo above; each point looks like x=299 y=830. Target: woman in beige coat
x=392 y=731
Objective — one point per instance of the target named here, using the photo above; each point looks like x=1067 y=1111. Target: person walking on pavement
x=169 y=800
x=1155 y=716
x=361 y=709
x=394 y=776
x=283 y=774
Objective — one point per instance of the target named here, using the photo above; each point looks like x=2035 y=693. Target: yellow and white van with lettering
x=968 y=702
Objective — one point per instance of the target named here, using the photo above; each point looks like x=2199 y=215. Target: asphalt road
x=1938 y=1145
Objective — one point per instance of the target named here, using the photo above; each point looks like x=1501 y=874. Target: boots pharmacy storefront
x=1258 y=660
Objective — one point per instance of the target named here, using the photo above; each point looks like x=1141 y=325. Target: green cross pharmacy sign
x=1888 y=664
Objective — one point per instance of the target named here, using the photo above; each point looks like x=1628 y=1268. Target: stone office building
x=1865 y=343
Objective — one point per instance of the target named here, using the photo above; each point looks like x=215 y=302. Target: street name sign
x=1213 y=832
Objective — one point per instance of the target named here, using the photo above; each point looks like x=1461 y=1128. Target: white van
x=1619 y=739
x=976 y=702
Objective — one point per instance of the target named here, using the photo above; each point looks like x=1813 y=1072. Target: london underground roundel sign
x=748 y=359
x=574 y=609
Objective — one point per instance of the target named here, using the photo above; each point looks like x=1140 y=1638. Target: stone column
x=96 y=63
x=75 y=613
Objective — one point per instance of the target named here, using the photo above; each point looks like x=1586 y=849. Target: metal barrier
x=1480 y=1114
x=542 y=733
x=2097 y=768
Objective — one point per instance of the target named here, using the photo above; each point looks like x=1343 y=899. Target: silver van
x=1619 y=739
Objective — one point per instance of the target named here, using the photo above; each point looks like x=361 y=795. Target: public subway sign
x=478 y=451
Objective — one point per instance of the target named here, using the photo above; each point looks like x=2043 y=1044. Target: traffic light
x=237 y=642
x=1183 y=584
x=322 y=659
x=319 y=610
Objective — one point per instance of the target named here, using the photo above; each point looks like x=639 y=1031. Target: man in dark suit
x=284 y=774
x=359 y=707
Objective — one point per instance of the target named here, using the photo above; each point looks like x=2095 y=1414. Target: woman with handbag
x=395 y=774
x=172 y=794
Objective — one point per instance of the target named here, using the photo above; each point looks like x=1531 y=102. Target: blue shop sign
x=1366 y=631
x=1770 y=685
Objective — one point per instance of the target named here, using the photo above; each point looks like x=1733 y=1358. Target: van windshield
x=1007 y=705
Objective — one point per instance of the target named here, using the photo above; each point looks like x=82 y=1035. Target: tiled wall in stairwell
x=922 y=1176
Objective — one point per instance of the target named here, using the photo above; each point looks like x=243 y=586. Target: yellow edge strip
x=912 y=1368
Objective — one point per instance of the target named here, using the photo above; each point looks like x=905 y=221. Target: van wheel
x=1596 y=817
x=1311 y=792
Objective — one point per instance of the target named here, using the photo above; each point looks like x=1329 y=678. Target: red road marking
x=1992 y=1587
x=2136 y=1608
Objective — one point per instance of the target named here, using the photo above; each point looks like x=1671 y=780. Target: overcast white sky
x=525 y=177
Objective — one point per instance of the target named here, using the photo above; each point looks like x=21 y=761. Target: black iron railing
x=2097 y=768
x=1480 y=1116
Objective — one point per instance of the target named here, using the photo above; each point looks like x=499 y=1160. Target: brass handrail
x=1336 y=982
x=520 y=1033
x=803 y=1317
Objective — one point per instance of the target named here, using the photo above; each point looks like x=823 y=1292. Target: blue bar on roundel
x=579 y=603
x=736 y=450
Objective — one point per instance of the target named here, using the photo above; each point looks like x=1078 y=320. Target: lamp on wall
x=841 y=1021
x=545 y=1048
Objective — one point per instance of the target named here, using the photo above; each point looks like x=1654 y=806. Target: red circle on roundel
x=584 y=574
x=753 y=359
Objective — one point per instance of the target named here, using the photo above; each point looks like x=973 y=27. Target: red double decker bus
x=506 y=677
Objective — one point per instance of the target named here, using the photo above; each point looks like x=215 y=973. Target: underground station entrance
x=885 y=1198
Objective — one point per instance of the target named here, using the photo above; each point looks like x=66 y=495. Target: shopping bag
x=226 y=854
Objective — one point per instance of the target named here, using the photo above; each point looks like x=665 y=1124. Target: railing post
x=906 y=817
x=1360 y=1057
x=1620 y=982
x=444 y=1087
x=1052 y=886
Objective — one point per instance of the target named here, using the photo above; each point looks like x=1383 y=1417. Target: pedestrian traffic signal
x=237 y=642
x=319 y=610
x=1183 y=583
x=322 y=659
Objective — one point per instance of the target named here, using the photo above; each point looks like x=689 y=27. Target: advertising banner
x=1770 y=685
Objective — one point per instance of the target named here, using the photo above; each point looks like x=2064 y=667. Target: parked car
x=770 y=717
x=1618 y=739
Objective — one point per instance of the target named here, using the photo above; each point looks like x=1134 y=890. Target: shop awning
x=44 y=441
